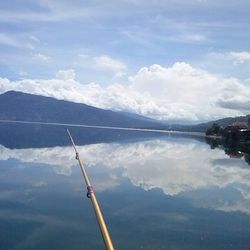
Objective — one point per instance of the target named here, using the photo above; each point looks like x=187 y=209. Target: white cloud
x=15 y=40
x=177 y=92
x=189 y=38
x=195 y=37
x=5 y=85
x=68 y=74
x=103 y=64
x=232 y=56
x=23 y=73
x=35 y=39
x=239 y=57
x=107 y=63
x=41 y=57
x=185 y=90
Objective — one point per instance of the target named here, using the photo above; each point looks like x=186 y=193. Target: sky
x=166 y=59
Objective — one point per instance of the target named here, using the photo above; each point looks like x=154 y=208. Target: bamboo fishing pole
x=90 y=194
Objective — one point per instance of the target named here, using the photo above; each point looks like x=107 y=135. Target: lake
x=156 y=190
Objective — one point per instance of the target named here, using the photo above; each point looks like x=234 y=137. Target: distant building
x=240 y=125
x=238 y=131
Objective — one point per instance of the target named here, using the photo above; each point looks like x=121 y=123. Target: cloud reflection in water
x=180 y=167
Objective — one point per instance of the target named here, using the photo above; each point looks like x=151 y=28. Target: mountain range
x=28 y=107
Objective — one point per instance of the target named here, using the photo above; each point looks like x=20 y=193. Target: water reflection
x=157 y=191
x=234 y=149
x=178 y=167
x=26 y=135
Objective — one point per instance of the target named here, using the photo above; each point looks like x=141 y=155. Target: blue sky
x=172 y=59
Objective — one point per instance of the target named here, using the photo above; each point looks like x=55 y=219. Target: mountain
x=222 y=122
x=139 y=117
x=202 y=127
x=27 y=107
x=228 y=121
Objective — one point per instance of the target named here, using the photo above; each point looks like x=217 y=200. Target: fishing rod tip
x=67 y=130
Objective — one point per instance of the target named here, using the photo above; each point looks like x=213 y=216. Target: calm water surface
x=156 y=191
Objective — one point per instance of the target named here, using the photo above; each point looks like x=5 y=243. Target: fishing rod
x=90 y=194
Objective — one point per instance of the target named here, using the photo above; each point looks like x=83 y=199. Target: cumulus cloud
x=184 y=90
x=177 y=92
x=104 y=64
x=239 y=57
x=107 y=63
x=66 y=74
